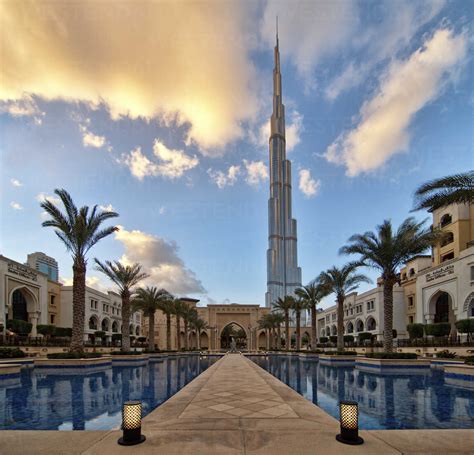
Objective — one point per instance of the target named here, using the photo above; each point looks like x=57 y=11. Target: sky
x=160 y=111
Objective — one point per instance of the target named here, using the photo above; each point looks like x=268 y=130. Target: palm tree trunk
x=168 y=332
x=151 y=331
x=279 y=337
x=198 y=339
x=298 y=330
x=125 y=320
x=287 y=331
x=388 y=316
x=178 y=333
x=186 y=341
x=78 y=304
x=314 y=335
x=340 y=323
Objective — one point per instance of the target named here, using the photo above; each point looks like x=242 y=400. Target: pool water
x=386 y=401
x=40 y=399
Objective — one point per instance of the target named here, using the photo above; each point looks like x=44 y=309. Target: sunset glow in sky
x=160 y=111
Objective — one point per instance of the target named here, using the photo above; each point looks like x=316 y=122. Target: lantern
x=131 y=424
x=349 y=420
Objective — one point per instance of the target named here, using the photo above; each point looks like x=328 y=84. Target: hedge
x=439 y=329
x=323 y=339
x=465 y=326
x=62 y=332
x=333 y=338
x=74 y=355
x=19 y=327
x=11 y=353
x=46 y=330
x=100 y=334
x=126 y=353
x=340 y=353
x=348 y=338
x=415 y=330
x=392 y=355
x=365 y=336
x=469 y=360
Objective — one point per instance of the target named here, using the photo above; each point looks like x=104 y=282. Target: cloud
x=160 y=259
x=408 y=86
x=16 y=182
x=222 y=179
x=185 y=61
x=140 y=166
x=41 y=197
x=257 y=172
x=309 y=30
x=294 y=128
x=162 y=210
x=106 y=208
x=90 y=139
x=393 y=32
x=93 y=282
x=308 y=186
x=173 y=163
x=16 y=206
x=26 y=106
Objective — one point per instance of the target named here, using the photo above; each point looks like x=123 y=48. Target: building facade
x=44 y=264
x=283 y=273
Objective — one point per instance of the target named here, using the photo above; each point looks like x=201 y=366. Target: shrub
x=74 y=355
x=465 y=326
x=100 y=334
x=469 y=360
x=333 y=338
x=19 y=327
x=348 y=338
x=117 y=337
x=46 y=330
x=125 y=353
x=11 y=353
x=340 y=353
x=365 y=336
x=415 y=330
x=141 y=339
x=445 y=355
x=392 y=355
x=62 y=332
x=439 y=329
x=323 y=339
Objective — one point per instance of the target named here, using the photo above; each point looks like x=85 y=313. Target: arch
x=193 y=339
x=350 y=327
x=468 y=306
x=447 y=239
x=440 y=305
x=262 y=340
x=137 y=330
x=105 y=325
x=333 y=330
x=240 y=336
x=22 y=302
x=115 y=327
x=93 y=323
x=131 y=329
x=445 y=219
x=359 y=325
x=204 y=339
x=323 y=332
x=370 y=323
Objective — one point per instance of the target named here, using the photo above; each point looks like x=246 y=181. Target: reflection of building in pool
x=364 y=313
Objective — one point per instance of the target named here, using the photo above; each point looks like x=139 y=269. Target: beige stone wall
x=54 y=309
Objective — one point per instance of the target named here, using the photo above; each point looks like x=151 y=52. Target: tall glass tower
x=283 y=273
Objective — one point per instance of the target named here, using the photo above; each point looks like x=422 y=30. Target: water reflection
x=84 y=401
x=386 y=401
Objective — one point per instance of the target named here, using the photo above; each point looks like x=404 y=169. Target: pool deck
x=235 y=407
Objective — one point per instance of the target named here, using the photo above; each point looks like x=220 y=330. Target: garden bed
x=337 y=359
x=392 y=365
x=72 y=363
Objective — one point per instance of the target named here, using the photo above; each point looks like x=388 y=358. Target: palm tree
x=266 y=324
x=453 y=189
x=386 y=251
x=199 y=325
x=178 y=310
x=189 y=314
x=341 y=281
x=298 y=306
x=125 y=277
x=167 y=307
x=312 y=294
x=285 y=305
x=79 y=230
x=278 y=318
x=148 y=300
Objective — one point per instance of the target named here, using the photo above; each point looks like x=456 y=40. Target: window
x=370 y=305
x=410 y=301
x=472 y=272
x=412 y=272
x=410 y=319
x=358 y=309
x=447 y=257
x=445 y=220
x=94 y=304
x=52 y=299
x=447 y=239
x=352 y=311
x=51 y=318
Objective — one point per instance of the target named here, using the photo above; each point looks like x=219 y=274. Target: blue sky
x=165 y=119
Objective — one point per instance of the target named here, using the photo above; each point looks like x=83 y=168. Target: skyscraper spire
x=283 y=273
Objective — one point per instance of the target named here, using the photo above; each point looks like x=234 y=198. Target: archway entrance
x=19 y=306
x=442 y=308
x=236 y=332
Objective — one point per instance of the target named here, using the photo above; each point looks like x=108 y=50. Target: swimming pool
x=414 y=400
x=40 y=399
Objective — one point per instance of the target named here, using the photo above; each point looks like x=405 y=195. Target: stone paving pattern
x=236 y=407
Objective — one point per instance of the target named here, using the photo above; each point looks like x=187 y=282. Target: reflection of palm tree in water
x=314 y=382
x=341 y=384
x=77 y=402
x=126 y=377
x=390 y=420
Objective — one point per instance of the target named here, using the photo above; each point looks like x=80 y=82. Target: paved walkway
x=235 y=407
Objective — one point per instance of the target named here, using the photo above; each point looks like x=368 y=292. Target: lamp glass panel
x=349 y=416
x=132 y=415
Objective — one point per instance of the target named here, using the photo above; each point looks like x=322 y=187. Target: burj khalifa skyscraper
x=283 y=273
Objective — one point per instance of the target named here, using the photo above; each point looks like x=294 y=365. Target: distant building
x=44 y=264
